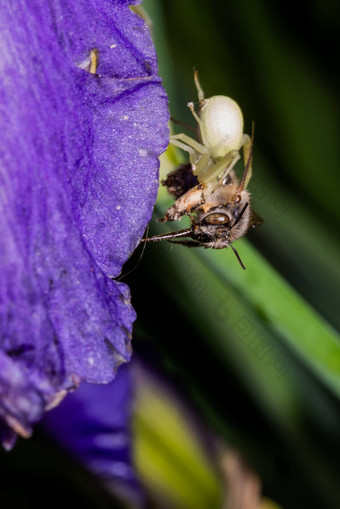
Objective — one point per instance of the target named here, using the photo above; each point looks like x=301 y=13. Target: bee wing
x=255 y=220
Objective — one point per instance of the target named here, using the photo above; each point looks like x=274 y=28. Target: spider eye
x=217 y=219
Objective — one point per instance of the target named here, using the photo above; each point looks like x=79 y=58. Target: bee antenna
x=237 y=256
x=239 y=216
x=137 y=263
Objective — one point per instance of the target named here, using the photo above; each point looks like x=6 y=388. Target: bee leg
x=168 y=236
x=186 y=204
x=187 y=243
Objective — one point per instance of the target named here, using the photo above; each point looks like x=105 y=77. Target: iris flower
x=78 y=181
x=94 y=426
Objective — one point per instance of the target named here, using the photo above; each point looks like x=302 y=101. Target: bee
x=207 y=189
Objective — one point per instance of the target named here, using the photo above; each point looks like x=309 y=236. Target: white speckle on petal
x=142 y=152
x=125 y=117
x=118 y=207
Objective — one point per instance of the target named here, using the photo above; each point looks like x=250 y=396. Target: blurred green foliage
x=172 y=458
x=256 y=352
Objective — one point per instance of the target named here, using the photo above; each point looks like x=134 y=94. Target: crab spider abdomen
x=221 y=125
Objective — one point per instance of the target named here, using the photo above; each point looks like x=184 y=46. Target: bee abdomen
x=180 y=180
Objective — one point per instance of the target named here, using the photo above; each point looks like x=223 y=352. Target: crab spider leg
x=225 y=164
x=200 y=91
x=183 y=124
x=202 y=162
x=201 y=149
x=248 y=144
x=193 y=155
x=194 y=114
x=247 y=147
x=186 y=148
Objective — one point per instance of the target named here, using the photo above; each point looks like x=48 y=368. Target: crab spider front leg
x=186 y=148
x=223 y=165
x=203 y=162
x=189 y=143
x=200 y=91
x=194 y=114
x=193 y=147
x=247 y=146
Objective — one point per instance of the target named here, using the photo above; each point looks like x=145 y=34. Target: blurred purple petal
x=78 y=181
x=93 y=424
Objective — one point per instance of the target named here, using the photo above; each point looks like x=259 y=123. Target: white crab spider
x=220 y=128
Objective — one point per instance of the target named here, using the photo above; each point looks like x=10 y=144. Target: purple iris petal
x=78 y=180
x=93 y=424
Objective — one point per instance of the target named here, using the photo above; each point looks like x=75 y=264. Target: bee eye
x=216 y=219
